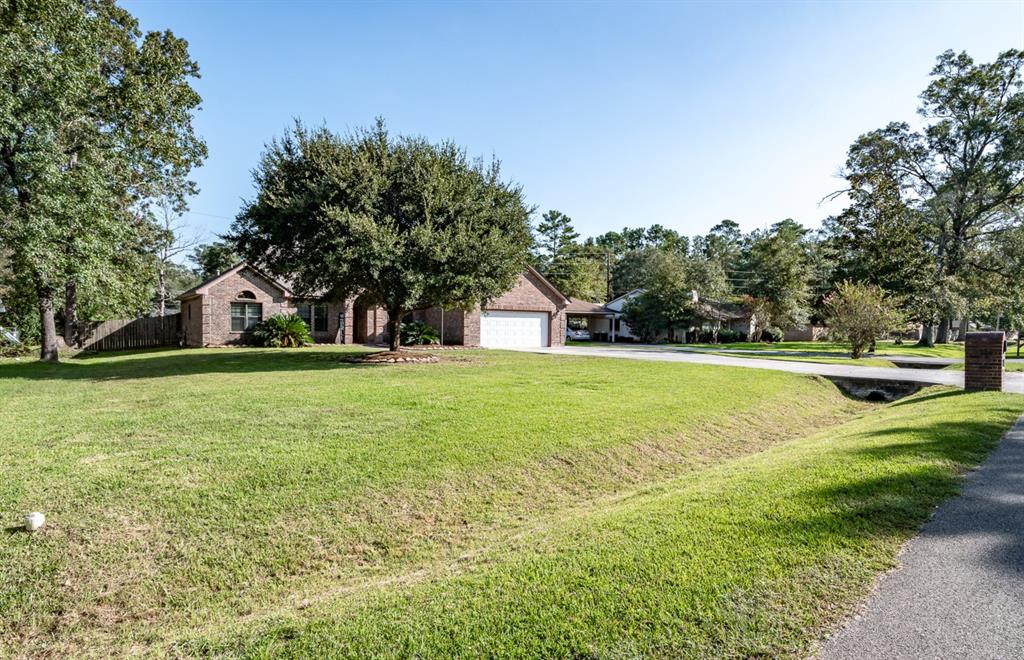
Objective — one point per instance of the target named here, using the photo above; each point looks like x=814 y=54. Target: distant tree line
x=934 y=221
x=778 y=270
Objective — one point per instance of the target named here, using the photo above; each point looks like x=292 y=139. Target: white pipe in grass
x=34 y=521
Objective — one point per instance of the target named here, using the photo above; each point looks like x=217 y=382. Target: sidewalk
x=959 y=589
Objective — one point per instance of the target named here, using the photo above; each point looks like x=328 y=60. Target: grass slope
x=755 y=557
x=195 y=489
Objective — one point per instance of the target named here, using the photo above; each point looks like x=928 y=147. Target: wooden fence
x=128 y=334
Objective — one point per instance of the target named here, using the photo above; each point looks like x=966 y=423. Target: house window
x=315 y=316
x=247 y=295
x=245 y=316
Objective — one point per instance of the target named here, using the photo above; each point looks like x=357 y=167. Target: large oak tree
x=955 y=186
x=95 y=122
x=401 y=221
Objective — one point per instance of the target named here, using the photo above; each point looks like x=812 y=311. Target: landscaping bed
x=392 y=357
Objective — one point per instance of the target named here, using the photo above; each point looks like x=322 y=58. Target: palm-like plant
x=418 y=332
x=283 y=331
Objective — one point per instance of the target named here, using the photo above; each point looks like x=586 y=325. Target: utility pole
x=608 y=273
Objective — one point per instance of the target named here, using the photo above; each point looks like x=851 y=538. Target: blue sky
x=616 y=114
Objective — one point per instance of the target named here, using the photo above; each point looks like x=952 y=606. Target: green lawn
x=861 y=362
x=257 y=502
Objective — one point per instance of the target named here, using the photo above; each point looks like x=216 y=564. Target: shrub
x=283 y=331
x=860 y=314
x=418 y=332
x=773 y=334
x=730 y=336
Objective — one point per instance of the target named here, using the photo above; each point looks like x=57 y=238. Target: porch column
x=611 y=323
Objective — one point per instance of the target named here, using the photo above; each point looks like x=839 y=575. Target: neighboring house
x=605 y=321
x=807 y=333
x=223 y=311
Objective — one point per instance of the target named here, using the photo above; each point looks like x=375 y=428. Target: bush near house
x=283 y=331
x=417 y=332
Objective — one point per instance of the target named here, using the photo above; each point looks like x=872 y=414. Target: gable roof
x=717 y=310
x=552 y=287
x=586 y=307
x=204 y=287
x=628 y=294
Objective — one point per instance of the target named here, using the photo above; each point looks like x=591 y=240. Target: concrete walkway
x=959 y=589
x=1012 y=382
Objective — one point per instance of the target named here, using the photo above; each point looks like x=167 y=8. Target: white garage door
x=513 y=329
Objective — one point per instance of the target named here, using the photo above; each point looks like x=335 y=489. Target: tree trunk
x=394 y=325
x=942 y=335
x=161 y=288
x=48 y=351
x=927 y=337
x=71 y=314
x=965 y=325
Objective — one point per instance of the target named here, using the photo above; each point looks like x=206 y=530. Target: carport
x=600 y=320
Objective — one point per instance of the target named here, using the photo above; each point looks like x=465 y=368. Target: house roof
x=584 y=307
x=204 y=287
x=628 y=294
x=551 y=286
x=723 y=311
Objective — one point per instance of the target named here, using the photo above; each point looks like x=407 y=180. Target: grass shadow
x=163 y=363
x=902 y=502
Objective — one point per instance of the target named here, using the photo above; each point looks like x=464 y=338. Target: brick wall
x=217 y=306
x=529 y=294
x=454 y=321
x=983 y=361
x=210 y=322
x=192 y=321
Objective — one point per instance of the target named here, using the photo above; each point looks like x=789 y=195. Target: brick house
x=223 y=310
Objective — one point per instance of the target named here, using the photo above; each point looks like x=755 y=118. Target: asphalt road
x=1012 y=381
x=959 y=589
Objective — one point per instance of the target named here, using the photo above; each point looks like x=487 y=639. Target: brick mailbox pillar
x=984 y=355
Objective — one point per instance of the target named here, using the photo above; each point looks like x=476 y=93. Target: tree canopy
x=928 y=205
x=96 y=123
x=401 y=221
x=212 y=259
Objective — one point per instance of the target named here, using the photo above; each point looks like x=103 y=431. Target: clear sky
x=618 y=114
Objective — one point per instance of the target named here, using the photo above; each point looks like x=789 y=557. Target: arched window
x=247 y=295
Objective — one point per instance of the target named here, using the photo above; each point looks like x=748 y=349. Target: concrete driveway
x=1012 y=382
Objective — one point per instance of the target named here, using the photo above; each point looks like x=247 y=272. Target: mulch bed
x=393 y=357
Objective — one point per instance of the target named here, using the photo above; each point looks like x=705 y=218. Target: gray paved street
x=1013 y=382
